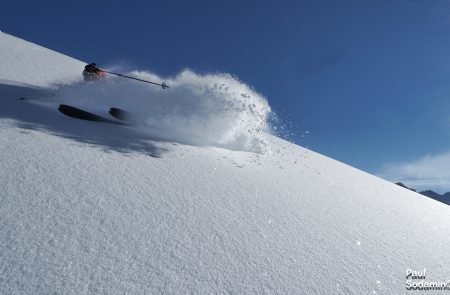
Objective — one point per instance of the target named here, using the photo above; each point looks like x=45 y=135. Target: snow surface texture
x=91 y=208
x=27 y=64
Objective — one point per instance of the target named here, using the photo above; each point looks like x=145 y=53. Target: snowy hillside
x=198 y=198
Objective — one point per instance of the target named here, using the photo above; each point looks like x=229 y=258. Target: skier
x=91 y=72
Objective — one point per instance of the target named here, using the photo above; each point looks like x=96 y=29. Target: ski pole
x=163 y=85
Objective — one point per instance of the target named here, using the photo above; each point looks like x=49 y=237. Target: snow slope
x=90 y=208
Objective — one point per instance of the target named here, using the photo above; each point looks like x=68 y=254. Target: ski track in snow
x=91 y=208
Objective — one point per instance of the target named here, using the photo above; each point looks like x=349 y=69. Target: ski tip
x=64 y=107
x=121 y=114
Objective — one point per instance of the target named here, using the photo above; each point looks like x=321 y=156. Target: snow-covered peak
x=92 y=208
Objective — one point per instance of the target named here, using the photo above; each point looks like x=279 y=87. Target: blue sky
x=368 y=79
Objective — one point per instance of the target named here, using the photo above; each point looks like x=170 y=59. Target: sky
x=368 y=80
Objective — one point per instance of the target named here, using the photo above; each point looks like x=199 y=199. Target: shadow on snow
x=35 y=116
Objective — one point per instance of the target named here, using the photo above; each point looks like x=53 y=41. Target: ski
x=85 y=115
x=121 y=115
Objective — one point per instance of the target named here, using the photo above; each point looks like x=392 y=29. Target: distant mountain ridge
x=445 y=198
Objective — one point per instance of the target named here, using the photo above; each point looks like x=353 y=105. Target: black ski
x=85 y=115
x=121 y=114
